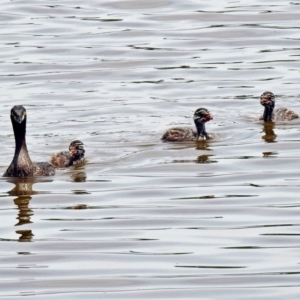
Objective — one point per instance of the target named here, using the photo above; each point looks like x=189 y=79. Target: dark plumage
x=181 y=134
x=74 y=156
x=267 y=99
x=21 y=165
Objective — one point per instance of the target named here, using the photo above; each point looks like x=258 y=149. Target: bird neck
x=77 y=158
x=20 y=140
x=201 y=130
x=267 y=116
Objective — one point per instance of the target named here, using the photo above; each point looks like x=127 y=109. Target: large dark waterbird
x=21 y=165
x=181 y=134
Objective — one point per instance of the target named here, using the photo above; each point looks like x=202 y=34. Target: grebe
x=74 y=156
x=267 y=99
x=181 y=134
x=21 y=165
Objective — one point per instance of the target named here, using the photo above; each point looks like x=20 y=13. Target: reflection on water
x=268 y=129
x=23 y=189
x=25 y=235
x=201 y=159
x=23 y=186
x=205 y=159
x=25 y=212
x=78 y=175
x=79 y=206
x=203 y=145
x=269 y=154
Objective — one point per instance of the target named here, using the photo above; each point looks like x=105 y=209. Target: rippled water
x=145 y=219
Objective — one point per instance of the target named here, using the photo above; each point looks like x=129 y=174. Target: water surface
x=145 y=219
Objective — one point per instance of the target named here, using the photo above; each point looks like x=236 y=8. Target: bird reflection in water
x=205 y=159
x=23 y=191
x=202 y=145
x=78 y=175
x=268 y=129
x=270 y=154
x=25 y=235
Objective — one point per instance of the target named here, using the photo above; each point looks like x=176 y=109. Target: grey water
x=145 y=219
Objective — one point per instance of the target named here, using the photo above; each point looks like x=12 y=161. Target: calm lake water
x=145 y=219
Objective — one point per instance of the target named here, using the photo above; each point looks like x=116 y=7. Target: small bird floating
x=74 y=156
x=181 y=134
x=267 y=99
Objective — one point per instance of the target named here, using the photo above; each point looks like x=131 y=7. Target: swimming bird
x=74 y=156
x=21 y=165
x=267 y=99
x=181 y=134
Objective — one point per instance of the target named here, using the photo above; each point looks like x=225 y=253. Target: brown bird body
x=181 y=134
x=178 y=134
x=21 y=165
x=74 y=156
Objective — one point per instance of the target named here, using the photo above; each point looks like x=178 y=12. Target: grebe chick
x=181 y=134
x=74 y=156
x=267 y=99
x=21 y=165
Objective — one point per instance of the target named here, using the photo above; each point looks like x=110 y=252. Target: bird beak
x=265 y=101
x=18 y=119
x=209 y=117
x=72 y=151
